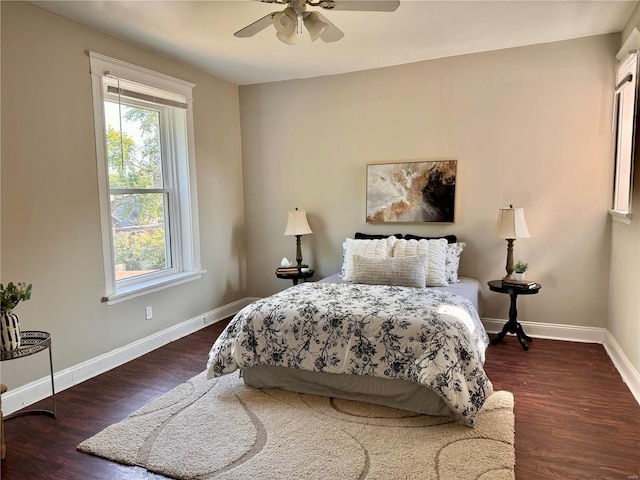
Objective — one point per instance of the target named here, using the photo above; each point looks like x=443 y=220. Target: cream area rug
x=222 y=429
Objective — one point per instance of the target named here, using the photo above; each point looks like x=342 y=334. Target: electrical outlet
x=148 y=312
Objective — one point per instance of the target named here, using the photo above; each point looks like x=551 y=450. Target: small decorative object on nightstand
x=514 y=288
x=520 y=268
x=285 y=263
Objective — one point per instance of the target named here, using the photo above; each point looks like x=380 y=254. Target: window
x=143 y=125
x=625 y=130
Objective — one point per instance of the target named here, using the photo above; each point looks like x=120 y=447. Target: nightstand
x=295 y=277
x=513 y=326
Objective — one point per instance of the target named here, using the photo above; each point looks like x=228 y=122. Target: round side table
x=513 y=326
x=295 y=277
x=33 y=341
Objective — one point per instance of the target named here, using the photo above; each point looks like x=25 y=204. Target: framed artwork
x=411 y=191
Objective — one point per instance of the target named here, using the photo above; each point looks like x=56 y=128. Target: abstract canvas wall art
x=421 y=191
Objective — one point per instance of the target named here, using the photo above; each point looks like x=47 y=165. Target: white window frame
x=624 y=125
x=183 y=208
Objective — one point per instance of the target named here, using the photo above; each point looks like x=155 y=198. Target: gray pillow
x=401 y=271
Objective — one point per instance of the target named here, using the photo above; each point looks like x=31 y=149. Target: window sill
x=151 y=286
x=621 y=217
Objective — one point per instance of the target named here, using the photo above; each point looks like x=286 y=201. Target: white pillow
x=381 y=248
x=434 y=250
x=452 y=263
x=401 y=272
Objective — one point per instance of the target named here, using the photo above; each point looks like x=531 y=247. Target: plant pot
x=9 y=331
x=519 y=276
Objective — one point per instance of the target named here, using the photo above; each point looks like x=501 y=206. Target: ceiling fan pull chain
x=299 y=22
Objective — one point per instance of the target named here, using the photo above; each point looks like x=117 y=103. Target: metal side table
x=33 y=341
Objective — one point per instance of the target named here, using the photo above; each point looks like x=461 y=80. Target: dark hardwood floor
x=575 y=419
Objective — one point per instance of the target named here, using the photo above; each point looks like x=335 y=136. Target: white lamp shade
x=289 y=39
x=285 y=21
x=314 y=25
x=512 y=224
x=297 y=223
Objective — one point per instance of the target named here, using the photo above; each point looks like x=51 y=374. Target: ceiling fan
x=288 y=23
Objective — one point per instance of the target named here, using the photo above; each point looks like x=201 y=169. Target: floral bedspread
x=424 y=335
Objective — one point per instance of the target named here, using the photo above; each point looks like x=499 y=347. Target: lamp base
x=299 y=253
x=509 y=266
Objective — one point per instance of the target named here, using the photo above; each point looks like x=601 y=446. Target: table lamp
x=297 y=225
x=511 y=225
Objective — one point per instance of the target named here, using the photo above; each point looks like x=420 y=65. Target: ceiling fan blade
x=256 y=26
x=359 y=5
x=331 y=33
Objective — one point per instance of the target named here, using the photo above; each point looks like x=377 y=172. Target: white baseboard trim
x=35 y=391
x=629 y=374
x=551 y=331
x=23 y=396
x=573 y=333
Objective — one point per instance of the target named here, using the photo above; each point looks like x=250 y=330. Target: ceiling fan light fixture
x=294 y=18
x=289 y=39
x=315 y=25
x=285 y=22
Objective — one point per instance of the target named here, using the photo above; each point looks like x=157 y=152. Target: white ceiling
x=200 y=33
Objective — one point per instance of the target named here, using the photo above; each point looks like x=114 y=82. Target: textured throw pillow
x=401 y=272
x=450 y=238
x=436 y=253
x=381 y=248
x=452 y=262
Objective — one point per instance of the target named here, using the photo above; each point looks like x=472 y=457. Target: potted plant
x=304 y=268
x=10 y=296
x=519 y=268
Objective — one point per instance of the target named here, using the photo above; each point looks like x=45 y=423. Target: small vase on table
x=9 y=331
x=10 y=296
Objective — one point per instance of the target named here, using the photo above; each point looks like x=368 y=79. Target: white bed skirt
x=400 y=394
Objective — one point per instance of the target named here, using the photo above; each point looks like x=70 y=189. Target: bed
x=385 y=337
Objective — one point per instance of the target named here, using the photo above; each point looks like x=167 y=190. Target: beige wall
x=624 y=302
x=529 y=126
x=50 y=213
